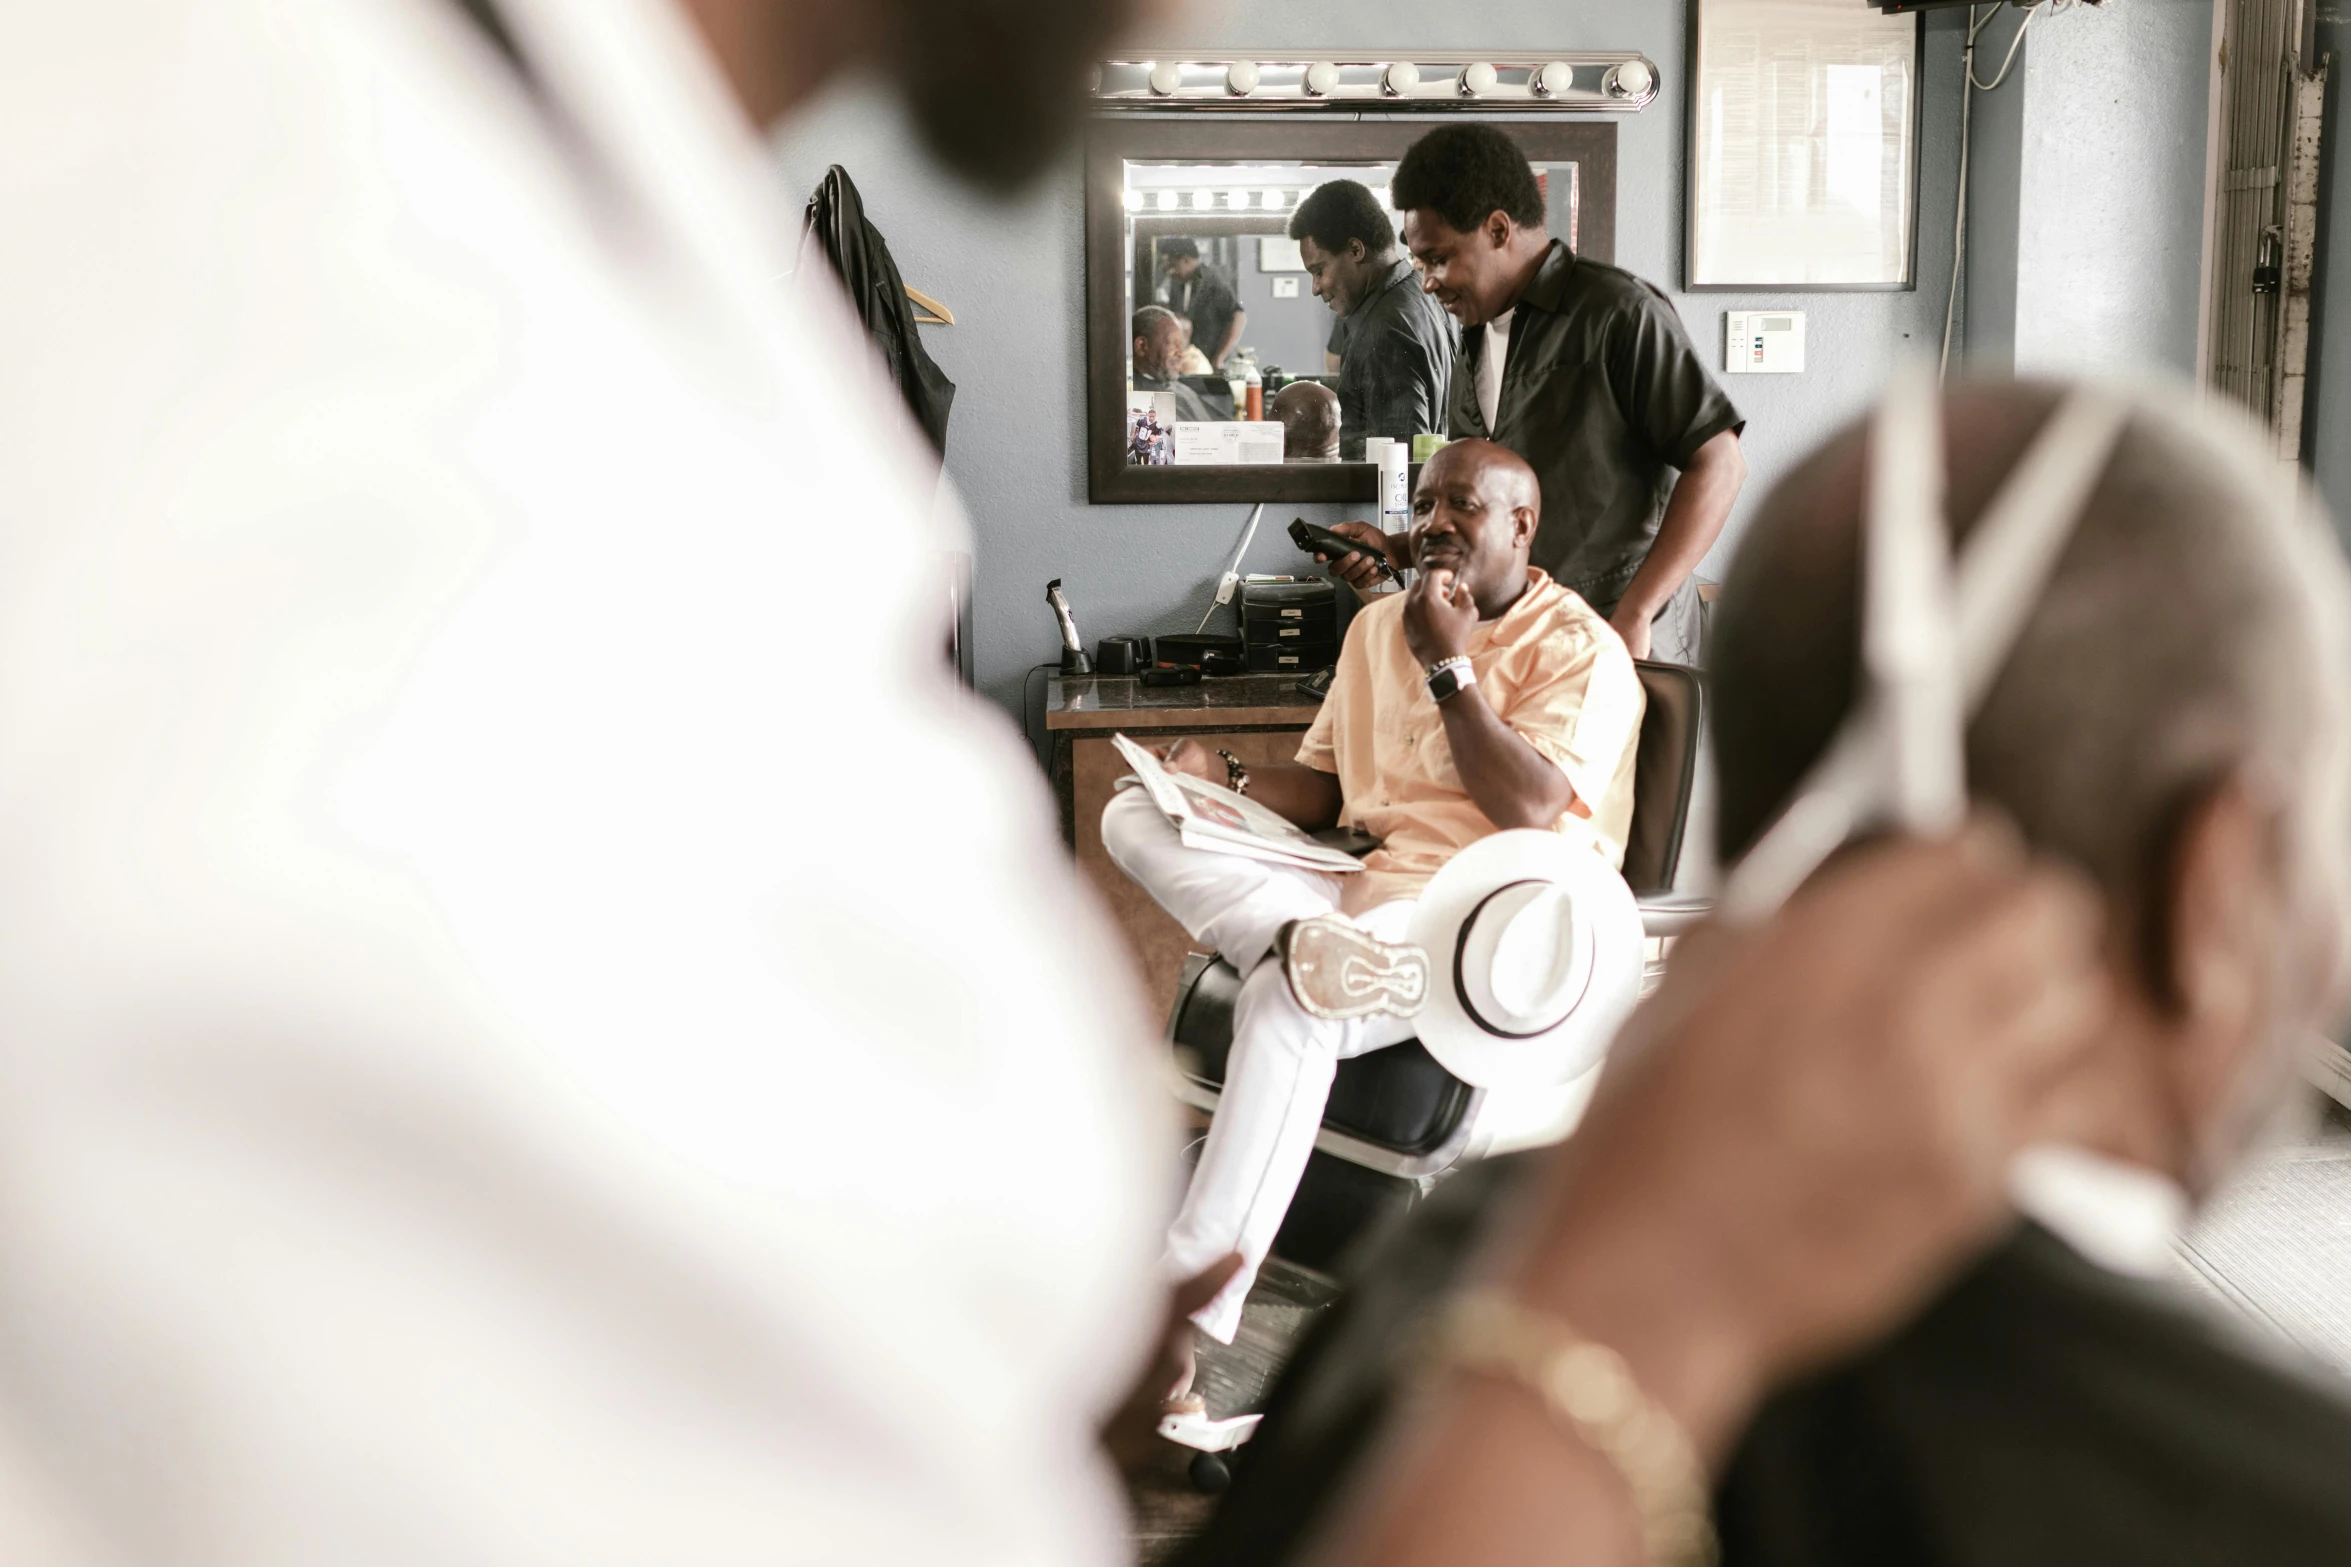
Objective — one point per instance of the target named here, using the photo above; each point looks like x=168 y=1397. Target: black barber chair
x=1397 y=1120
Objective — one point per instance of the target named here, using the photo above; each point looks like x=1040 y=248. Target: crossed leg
x=1279 y=1074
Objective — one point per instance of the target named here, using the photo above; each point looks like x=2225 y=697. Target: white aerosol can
x=1395 y=488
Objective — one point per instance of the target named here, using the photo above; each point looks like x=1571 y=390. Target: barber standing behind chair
x=1582 y=369
x=1396 y=354
x=1195 y=292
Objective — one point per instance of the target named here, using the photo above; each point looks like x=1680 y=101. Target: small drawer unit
x=1302 y=658
x=1290 y=624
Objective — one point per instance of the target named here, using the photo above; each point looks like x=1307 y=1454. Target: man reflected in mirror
x=1196 y=291
x=1396 y=352
x=1159 y=350
x=1191 y=361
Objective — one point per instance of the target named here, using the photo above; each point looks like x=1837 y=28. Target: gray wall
x=1013 y=276
x=1995 y=163
x=2326 y=429
x=2086 y=192
x=2112 y=211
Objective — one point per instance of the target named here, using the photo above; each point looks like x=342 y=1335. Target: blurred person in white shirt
x=451 y=1001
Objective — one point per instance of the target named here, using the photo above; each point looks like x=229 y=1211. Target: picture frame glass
x=1803 y=145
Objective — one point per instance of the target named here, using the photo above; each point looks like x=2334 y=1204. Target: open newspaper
x=1210 y=816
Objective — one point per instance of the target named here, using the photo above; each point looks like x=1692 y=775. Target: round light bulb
x=1633 y=79
x=1238 y=200
x=1166 y=77
x=1270 y=200
x=1240 y=78
x=1134 y=201
x=1477 y=80
x=1322 y=78
x=1554 y=79
x=1167 y=201
x=1203 y=200
x=1400 y=78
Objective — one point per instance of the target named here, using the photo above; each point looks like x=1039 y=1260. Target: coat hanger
x=928 y=311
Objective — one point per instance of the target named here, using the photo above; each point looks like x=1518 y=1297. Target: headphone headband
x=1930 y=649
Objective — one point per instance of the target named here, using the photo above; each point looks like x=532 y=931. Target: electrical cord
x=2014 y=44
x=1222 y=592
x=1959 y=221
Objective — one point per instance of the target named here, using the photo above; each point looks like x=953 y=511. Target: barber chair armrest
x=1671 y=913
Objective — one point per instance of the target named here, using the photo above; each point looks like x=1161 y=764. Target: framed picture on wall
x=1803 y=146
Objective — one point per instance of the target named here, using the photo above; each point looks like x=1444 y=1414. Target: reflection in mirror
x=1274 y=315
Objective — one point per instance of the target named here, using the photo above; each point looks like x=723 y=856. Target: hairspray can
x=1395 y=488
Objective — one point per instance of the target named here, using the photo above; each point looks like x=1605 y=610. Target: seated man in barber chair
x=1486 y=697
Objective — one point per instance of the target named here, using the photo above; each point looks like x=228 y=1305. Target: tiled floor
x=1168 y=1506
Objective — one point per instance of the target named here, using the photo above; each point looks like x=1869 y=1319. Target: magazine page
x=1210 y=816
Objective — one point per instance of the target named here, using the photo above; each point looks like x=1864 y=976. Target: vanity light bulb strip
x=1618 y=83
x=1268 y=199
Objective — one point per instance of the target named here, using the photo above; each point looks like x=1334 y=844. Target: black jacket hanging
x=861 y=259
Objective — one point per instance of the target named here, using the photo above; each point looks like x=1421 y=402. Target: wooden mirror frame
x=1589 y=144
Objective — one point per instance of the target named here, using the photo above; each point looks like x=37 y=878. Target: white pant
x=1283 y=1057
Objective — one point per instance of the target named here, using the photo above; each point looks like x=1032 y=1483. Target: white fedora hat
x=1534 y=945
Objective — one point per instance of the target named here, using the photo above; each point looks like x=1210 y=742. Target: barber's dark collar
x=1398 y=272
x=1549 y=286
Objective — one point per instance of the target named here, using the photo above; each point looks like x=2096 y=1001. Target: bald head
x=1309 y=412
x=1474 y=513
x=1504 y=476
x=2182 y=638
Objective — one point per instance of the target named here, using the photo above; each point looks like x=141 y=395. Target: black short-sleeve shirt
x=1604 y=394
x=1396 y=363
x=1207 y=301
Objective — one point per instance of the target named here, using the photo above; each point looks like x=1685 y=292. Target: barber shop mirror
x=1215 y=341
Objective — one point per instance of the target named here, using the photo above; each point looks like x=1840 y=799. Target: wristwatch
x=1448 y=676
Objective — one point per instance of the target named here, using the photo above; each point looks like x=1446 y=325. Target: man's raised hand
x=1190 y=756
x=1439 y=615
x=1361 y=571
x=1809 y=1126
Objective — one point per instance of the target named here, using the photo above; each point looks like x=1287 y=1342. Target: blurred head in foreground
x=2171 y=720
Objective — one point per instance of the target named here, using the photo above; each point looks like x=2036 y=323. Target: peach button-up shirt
x=1553 y=670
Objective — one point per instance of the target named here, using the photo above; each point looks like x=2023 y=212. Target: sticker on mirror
x=1228 y=444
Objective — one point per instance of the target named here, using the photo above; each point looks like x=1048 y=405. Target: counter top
x=1124 y=702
